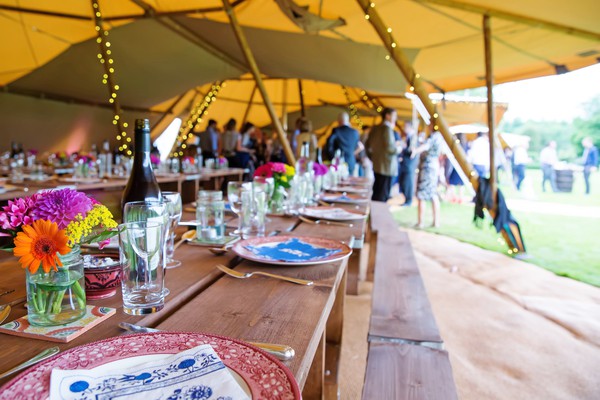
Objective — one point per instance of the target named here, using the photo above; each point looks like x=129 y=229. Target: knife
x=280 y=351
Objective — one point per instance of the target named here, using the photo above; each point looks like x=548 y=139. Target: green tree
x=589 y=125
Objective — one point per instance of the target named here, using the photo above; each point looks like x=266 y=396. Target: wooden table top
x=202 y=299
x=28 y=187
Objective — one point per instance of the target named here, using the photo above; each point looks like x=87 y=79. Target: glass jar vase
x=57 y=297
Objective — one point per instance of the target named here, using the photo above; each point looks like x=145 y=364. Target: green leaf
x=98 y=237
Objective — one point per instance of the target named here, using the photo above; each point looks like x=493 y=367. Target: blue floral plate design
x=291 y=250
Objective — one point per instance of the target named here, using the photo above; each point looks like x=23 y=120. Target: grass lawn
x=566 y=245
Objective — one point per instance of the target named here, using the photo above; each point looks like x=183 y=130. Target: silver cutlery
x=223 y=249
x=281 y=351
x=33 y=360
x=242 y=275
x=324 y=222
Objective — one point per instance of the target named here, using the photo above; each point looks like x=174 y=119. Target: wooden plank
x=267 y=310
x=408 y=372
x=400 y=308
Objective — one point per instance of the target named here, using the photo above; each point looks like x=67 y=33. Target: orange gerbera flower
x=40 y=243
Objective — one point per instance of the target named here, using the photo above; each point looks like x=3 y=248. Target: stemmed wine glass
x=234 y=196
x=150 y=211
x=174 y=209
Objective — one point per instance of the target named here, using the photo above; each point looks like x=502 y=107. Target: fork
x=324 y=222
x=243 y=275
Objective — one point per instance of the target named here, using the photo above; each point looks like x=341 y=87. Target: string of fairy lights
x=198 y=111
x=354 y=116
x=108 y=78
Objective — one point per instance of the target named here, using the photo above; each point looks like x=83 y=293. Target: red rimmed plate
x=291 y=250
x=263 y=376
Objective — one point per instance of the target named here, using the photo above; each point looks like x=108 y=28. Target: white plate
x=332 y=214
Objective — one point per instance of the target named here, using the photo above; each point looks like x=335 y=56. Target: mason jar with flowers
x=282 y=175
x=45 y=231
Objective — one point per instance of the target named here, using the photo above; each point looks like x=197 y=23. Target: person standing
x=520 y=159
x=344 y=138
x=307 y=135
x=479 y=154
x=209 y=141
x=408 y=165
x=382 y=150
x=548 y=161
x=590 y=161
x=427 y=182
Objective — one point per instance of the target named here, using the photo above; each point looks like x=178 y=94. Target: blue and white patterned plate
x=291 y=250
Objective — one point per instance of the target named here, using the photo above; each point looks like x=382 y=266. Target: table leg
x=353 y=272
x=333 y=345
x=313 y=388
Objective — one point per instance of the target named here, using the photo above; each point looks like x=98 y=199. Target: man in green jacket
x=383 y=150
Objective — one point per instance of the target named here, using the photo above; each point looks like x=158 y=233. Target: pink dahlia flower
x=62 y=206
x=18 y=212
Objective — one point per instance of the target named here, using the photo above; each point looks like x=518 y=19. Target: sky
x=557 y=97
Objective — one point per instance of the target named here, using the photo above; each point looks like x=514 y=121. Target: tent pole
x=301 y=95
x=521 y=19
x=417 y=87
x=489 y=82
x=241 y=38
x=249 y=106
x=284 y=114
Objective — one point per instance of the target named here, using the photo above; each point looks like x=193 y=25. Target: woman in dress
x=427 y=181
x=237 y=155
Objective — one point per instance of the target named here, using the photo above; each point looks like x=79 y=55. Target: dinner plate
x=331 y=213
x=349 y=189
x=291 y=250
x=72 y=179
x=7 y=188
x=260 y=374
x=343 y=198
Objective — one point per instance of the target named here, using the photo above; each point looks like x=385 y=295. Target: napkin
x=196 y=373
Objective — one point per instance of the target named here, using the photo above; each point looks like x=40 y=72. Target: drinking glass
x=150 y=211
x=267 y=185
x=174 y=209
x=253 y=213
x=234 y=192
x=141 y=257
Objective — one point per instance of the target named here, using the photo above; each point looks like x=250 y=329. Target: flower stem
x=79 y=294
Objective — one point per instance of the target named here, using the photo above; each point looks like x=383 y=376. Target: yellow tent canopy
x=168 y=50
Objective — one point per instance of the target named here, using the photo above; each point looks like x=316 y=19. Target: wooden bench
x=406 y=357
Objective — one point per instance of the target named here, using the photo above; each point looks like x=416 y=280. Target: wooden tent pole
x=301 y=95
x=241 y=38
x=284 y=114
x=521 y=19
x=417 y=87
x=489 y=82
x=249 y=106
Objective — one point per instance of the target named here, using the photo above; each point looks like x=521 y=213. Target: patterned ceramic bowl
x=102 y=276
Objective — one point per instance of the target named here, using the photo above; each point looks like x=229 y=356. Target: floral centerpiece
x=45 y=230
x=221 y=163
x=83 y=163
x=282 y=175
x=320 y=170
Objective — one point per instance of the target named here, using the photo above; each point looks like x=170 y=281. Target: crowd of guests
x=418 y=161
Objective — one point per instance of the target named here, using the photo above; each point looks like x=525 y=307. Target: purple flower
x=62 y=206
x=154 y=159
x=18 y=212
x=319 y=169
